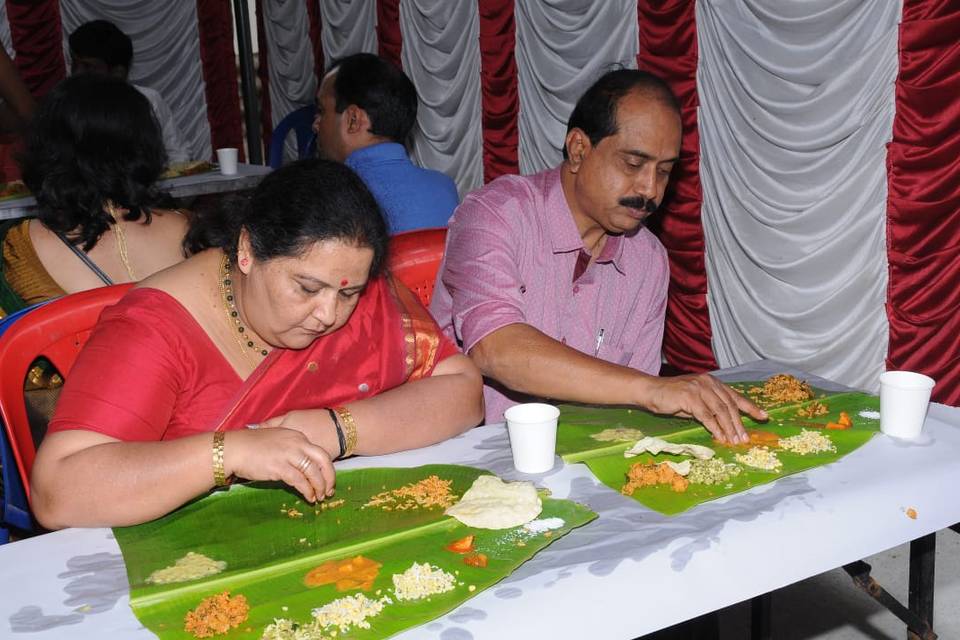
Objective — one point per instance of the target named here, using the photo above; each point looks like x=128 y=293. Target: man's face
x=621 y=180
x=327 y=123
x=80 y=65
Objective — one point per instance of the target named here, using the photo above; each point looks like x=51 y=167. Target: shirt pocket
x=615 y=354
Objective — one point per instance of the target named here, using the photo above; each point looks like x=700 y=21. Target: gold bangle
x=349 y=430
x=219 y=473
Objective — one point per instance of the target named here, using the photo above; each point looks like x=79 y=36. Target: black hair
x=295 y=206
x=596 y=111
x=103 y=40
x=379 y=88
x=94 y=138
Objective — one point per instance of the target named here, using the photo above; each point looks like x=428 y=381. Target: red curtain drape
x=668 y=48
x=923 y=202
x=389 y=38
x=263 y=73
x=498 y=87
x=316 y=23
x=35 y=30
x=37 y=36
x=215 y=25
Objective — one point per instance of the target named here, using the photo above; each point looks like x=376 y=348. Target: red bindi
x=344 y=282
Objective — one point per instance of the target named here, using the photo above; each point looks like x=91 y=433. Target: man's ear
x=578 y=145
x=355 y=120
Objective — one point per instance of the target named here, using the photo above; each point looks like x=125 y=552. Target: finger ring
x=253 y=426
x=304 y=464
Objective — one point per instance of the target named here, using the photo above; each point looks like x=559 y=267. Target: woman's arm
x=414 y=414
x=423 y=412
x=86 y=479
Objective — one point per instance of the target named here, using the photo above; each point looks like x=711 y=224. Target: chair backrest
x=301 y=121
x=56 y=331
x=14 y=509
x=414 y=258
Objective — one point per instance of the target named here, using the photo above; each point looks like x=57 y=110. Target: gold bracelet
x=219 y=473
x=349 y=430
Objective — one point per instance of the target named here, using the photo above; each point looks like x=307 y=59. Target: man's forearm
x=524 y=359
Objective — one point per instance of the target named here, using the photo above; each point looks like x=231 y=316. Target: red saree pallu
x=150 y=372
x=391 y=340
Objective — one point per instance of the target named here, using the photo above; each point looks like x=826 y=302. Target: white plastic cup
x=227 y=157
x=904 y=397
x=533 y=436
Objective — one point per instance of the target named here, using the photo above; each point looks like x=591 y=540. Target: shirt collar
x=377 y=153
x=613 y=252
x=564 y=235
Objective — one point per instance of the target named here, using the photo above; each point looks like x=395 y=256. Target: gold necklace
x=121 y=238
x=247 y=346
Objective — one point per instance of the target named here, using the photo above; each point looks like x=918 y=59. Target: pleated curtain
x=166 y=56
x=796 y=108
x=813 y=218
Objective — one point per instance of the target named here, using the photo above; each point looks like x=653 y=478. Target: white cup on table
x=533 y=436
x=227 y=158
x=904 y=398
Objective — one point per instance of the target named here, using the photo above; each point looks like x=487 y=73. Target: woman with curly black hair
x=93 y=157
x=284 y=346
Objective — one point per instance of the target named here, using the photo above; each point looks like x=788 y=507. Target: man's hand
x=705 y=399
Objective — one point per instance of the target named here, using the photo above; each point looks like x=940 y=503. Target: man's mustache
x=639 y=202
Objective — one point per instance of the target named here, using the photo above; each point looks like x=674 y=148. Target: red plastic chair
x=56 y=331
x=414 y=258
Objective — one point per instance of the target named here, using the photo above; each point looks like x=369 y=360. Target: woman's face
x=290 y=301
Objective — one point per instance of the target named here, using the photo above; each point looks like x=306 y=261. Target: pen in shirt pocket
x=596 y=351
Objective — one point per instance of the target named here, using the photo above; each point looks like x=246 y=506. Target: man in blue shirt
x=366 y=108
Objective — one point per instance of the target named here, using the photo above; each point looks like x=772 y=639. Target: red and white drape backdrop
x=184 y=50
x=496 y=79
x=830 y=186
x=814 y=217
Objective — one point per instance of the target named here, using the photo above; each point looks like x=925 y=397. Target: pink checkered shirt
x=511 y=253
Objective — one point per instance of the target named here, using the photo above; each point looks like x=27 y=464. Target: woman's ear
x=244 y=252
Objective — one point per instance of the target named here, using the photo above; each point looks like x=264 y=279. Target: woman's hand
x=706 y=399
x=315 y=424
x=302 y=420
x=280 y=454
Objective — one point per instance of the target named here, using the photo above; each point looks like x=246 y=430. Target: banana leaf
x=578 y=423
x=606 y=460
x=269 y=549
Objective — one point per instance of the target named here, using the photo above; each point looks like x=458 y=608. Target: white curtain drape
x=5 y=38
x=562 y=47
x=289 y=61
x=441 y=55
x=349 y=26
x=166 y=56
x=796 y=106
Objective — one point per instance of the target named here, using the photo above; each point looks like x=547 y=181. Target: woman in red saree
x=265 y=358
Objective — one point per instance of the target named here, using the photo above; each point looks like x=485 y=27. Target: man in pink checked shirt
x=554 y=287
